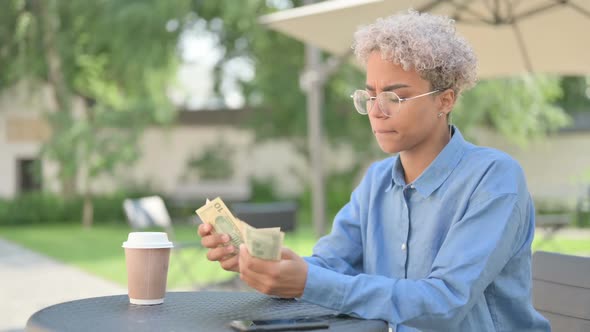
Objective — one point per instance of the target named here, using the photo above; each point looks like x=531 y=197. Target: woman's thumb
x=287 y=253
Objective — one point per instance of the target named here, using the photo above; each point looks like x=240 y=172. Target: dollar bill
x=263 y=243
x=217 y=214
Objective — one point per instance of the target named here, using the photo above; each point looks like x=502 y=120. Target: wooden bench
x=561 y=290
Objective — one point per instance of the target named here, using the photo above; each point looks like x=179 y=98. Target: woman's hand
x=285 y=278
x=220 y=248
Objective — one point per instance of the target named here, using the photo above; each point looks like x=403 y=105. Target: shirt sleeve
x=475 y=250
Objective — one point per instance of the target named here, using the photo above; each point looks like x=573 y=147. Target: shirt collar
x=438 y=171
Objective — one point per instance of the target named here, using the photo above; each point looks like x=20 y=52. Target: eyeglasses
x=389 y=102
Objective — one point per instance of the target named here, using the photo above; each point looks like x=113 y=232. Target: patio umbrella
x=508 y=36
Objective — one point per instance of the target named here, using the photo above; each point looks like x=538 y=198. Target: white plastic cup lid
x=147 y=240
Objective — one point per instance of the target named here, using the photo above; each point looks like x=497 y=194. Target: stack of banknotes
x=263 y=243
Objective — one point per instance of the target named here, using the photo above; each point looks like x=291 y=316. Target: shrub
x=47 y=208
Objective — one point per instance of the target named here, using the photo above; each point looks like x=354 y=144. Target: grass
x=564 y=246
x=99 y=251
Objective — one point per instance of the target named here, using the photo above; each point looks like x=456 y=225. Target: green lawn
x=99 y=251
x=564 y=246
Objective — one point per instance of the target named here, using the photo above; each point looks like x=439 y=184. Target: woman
x=436 y=238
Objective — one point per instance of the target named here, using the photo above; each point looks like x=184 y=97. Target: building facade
x=557 y=168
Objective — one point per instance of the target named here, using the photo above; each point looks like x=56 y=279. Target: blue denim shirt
x=449 y=252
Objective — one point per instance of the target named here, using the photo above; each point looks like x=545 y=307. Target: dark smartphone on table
x=289 y=324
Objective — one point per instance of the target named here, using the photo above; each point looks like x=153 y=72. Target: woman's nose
x=376 y=111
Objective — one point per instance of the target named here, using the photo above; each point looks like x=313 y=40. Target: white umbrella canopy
x=508 y=36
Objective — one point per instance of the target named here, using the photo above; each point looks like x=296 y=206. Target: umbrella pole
x=315 y=98
x=313 y=84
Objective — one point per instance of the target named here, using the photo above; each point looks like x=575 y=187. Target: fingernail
x=225 y=238
x=230 y=249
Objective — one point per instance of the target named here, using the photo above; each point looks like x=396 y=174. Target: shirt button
x=412 y=186
x=404 y=247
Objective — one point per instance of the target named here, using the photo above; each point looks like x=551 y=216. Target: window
x=29 y=175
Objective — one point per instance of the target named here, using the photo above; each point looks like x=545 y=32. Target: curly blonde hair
x=423 y=42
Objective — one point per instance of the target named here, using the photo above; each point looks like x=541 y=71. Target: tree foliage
x=520 y=108
x=117 y=57
x=575 y=96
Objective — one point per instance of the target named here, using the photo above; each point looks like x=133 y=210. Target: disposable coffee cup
x=147 y=255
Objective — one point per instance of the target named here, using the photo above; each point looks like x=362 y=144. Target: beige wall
x=556 y=168
x=165 y=153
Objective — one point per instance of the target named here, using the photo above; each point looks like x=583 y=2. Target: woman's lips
x=382 y=131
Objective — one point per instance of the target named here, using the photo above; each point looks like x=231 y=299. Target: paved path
x=30 y=282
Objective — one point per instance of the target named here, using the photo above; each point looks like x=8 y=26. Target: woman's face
x=417 y=121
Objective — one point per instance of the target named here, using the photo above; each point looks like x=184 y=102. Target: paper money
x=223 y=221
x=264 y=243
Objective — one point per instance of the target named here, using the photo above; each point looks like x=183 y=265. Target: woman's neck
x=419 y=157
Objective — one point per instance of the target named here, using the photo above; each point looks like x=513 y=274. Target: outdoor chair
x=150 y=212
x=263 y=215
x=561 y=290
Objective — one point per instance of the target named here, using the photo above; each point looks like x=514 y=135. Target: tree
x=116 y=56
x=575 y=97
x=520 y=108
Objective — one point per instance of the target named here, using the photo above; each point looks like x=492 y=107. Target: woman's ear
x=447 y=100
